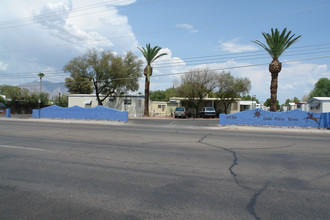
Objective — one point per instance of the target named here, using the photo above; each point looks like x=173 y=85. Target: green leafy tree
x=160 y=95
x=230 y=87
x=12 y=93
x=321 y=88
x=169 y=93
x=157 y=95
x=268 y=103
x=61 y=101
x=195 y=85
x=77 y=84
x=21 y=99
x=294 y=100
x=287 y=101
x=110 y=74
x=150 y=54
x=2 y=100
x=44 y=98
x=277 y=43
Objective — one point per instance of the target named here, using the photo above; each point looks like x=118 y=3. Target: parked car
x=207 y=112
x=180 y=112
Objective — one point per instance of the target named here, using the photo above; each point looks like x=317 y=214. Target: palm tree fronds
x=276 y=42
x=151 y=54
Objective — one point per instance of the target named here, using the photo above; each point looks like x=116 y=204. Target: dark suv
x=207 y=112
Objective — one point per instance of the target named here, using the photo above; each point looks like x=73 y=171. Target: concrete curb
x=265 y=129
x=66 y=121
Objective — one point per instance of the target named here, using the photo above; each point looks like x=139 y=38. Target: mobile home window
x=127 y=102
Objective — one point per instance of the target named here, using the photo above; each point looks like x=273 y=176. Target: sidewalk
x=264 y=129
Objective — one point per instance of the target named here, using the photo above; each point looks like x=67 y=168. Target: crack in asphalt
x=201 y=140
x=253 y=201
x=234 y=163
x=319 y=178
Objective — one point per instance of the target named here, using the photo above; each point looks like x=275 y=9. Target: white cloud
x=3 y=66
x=48 y=43
x=188 y=27
x=58 y=26
x=165 y=71
x=233 y=47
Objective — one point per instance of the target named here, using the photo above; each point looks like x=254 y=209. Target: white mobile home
x=132 y=103
x=319 y=104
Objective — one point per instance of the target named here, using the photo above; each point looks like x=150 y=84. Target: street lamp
x=39 y=100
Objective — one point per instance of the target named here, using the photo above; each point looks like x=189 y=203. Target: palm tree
x=41 y=75
x=277 y=43
x=150 y=54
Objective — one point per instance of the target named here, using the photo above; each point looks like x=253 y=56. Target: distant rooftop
x=319 y=99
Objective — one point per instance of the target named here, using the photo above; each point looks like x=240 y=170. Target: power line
x=181 y=73
x=240 y=58
x=251 y=52
x=246 y=56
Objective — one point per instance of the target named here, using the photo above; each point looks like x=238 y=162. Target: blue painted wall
x=76 y=112
x=294 y=118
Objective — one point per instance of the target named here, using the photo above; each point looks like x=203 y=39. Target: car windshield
x=179 y=109
x=209 y=109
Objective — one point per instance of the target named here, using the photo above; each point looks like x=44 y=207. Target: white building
x=319 y=104
x=247 y=105
x=302 y=106
x=291 y=106
x=132 y=103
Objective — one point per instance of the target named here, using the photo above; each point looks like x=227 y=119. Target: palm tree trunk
x=273 y=92
x=147 y=73
x=146 y=97
x=274 y=67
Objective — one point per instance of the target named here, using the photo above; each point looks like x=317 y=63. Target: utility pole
x=39 y=100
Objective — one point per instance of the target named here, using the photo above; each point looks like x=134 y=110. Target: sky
x=43 y=35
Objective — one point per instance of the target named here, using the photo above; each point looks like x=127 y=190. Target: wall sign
x=294 y=118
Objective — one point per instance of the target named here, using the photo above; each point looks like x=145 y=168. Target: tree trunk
x=147 y=73
x=146 y=97
x=196 y=112
x=99 y=101
x=274 y=67
x=226 y=107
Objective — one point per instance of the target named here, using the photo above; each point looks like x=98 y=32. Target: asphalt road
x=161 y=169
